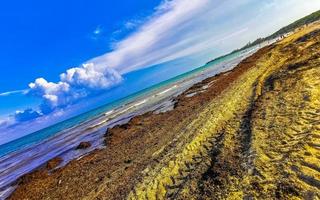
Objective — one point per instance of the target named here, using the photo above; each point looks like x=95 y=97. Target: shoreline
x=157 y=102
x=217 y=84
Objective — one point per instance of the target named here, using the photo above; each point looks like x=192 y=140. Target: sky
x=62 y=58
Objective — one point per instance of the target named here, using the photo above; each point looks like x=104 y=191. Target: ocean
x=46 y=133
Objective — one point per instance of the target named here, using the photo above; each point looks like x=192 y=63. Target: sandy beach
x=62 y=146
x=250 y=132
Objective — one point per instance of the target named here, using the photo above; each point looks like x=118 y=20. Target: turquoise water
x=51 y=131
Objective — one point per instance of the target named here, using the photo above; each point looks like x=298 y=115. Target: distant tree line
x=291 y=27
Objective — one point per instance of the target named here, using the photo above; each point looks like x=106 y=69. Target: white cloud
x=74 y=84
x=178 y=25
x=88 y=76
x=53 y=94
x=131 y=53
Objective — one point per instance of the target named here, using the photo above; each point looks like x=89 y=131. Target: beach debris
x=84 y=145
x=54 y=163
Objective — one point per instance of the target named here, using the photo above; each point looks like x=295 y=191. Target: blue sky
x=44 y=38
x=57 y=54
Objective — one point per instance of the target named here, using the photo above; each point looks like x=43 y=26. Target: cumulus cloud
x=74 y=84
x=51 y=93
x=89 y=77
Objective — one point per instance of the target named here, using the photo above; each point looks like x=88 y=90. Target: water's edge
x=21 y=156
